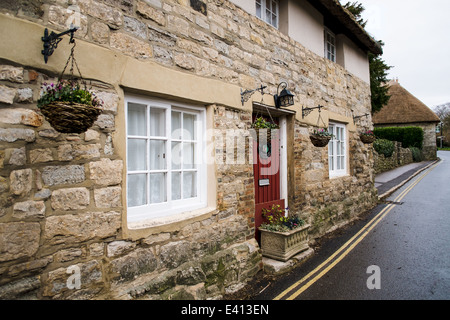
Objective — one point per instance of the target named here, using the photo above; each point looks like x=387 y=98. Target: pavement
x=389 y=181
x=386 y=183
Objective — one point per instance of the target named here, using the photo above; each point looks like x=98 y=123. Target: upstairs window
x=267 y=10
x=330 y=45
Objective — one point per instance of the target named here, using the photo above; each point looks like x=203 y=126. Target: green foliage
x=378 y=68
x=323 y=132
x=67 y=92
x=416 y=154
x=384 y=147
x=261 y=123
x=378 y=79
x=356 y=9
x=408 y=136
x=277 y=221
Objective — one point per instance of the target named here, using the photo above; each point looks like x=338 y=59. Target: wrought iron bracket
x=245 y=95
x=307 y=111
x=52 y=40
x=358 y=117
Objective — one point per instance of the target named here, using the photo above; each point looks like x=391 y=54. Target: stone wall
x=62 y=210
x=62 y=204
x=400 y=157
x=327 y=203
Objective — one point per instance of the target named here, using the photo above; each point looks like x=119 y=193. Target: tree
x=443 y=112
x=378 y=68
x=356 y=10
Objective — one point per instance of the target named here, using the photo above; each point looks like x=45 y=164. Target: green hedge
x=383 y=146
x=408 y=136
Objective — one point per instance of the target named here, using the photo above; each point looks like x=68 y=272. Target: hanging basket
x=367 y=139
x=319 y=140
x=261 y=132
x=68 y=107
x=66 y=117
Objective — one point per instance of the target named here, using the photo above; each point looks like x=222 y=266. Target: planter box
x=284 y=245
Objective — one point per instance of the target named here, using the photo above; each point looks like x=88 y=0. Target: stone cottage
x=405 y=110
x=160 y=198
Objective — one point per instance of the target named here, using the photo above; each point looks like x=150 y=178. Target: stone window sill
x=148 y=227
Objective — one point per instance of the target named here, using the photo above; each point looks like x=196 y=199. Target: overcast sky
x=416 y=34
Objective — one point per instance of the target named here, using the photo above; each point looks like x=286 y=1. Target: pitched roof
x=403 y=108
x=349 y=23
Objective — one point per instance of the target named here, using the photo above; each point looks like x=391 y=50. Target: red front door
x=266 y=170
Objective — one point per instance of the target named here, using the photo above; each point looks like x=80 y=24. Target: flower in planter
x=67 y=91
x=368 y=133
x=277 y=221
x=367 y=137
x=321 y=137
x=261 y=123
x=68 y=108
x=322 y=133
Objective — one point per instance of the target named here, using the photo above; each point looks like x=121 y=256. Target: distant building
x=405 y=110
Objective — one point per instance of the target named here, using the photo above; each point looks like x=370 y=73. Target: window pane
x=189 y=184
x=137 y=155
x=188 y=155
x=176 y=125
x=137 y=119
x=176 y=185
x=189 y=132
x=176 y=155
x=157 y=187
x=137 y=190
x=157 y=122
x=258 y=8
x=157 y=155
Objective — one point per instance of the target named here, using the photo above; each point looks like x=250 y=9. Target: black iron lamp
x=285 y=98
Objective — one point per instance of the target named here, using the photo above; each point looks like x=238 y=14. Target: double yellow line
x=300 y=286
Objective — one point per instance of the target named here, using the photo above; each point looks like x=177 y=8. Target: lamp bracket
x=52 y=40
x=245 y=95
x=307 y=111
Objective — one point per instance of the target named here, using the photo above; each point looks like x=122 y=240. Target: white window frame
x=337 y=150
x=169 y=207
x=330 y=45
x=262 y=11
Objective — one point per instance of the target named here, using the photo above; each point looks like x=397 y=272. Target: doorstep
x=276 y=267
